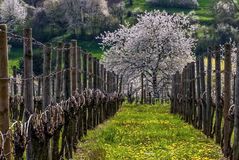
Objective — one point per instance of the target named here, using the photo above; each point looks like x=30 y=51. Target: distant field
x=203 y=12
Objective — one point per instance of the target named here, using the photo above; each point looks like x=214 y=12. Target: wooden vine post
x=46 y=93
x=184 y=93
x=193 y=81
x=97 y=106
x=85 y=86
x=174 y=96
x=177 y=88
x=227 y=99
x=15 y=107
x=102 y=76
x=68 y=127
x=79 y=68
x=28 y=74
x=105 y=80
x=94 y=86
x=74 y=65
x=74 y=118
x=56 y=136
x=203 y=94
x=102 y=89
x=46 y=78
x=28 y=86
x=218 y=96
x=187 y=93
x=208 y=93
x=105 y=90
x=79 y=84
x=199 y=106
x=4 y=94
x=179 y=97
x=236 y=116
x=90 y=84
x=90 y=71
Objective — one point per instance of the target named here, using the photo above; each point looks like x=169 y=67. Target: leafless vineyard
x=46 y=116
x=207 y=97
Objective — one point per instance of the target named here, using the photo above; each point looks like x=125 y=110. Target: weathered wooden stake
x=15 y=107
x=209 y=89
x=79 y=81
x=218 y=121
x=28 y=84
x=46 y=78
x=79 y=68
x=193 y=81
x=90 y=84
x=74 y=84
x=46 y=92
x=74 y=65
x=203 y=94
x=85 y=71
x=227 y=98
x=236 y=115
x=85 y=86
x=68 y=127
x=56 y=137
x=199 y=106
x=4 y=95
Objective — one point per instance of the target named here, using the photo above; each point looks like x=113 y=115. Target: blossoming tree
x=157 y=45
x=12 y=12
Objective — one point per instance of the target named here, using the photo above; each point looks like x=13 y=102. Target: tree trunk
x=142 y=88
x=155 y=85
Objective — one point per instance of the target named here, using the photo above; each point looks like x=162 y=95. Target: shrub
x=175 y=3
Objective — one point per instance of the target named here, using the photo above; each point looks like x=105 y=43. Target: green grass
x=15 y=55
x=146 y=132
x=90 y=45
x=203 y=12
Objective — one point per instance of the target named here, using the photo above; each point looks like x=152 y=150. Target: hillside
x=203 y=12
x=138 y=6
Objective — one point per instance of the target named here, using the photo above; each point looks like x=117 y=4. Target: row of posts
x=198 y=97
x=81 y=72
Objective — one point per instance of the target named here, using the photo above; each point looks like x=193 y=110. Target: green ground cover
x=146 y=132
x=203 y=12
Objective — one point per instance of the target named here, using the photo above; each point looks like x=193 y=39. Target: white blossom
x=12 y=12
x=158 y=45
x=225 y=7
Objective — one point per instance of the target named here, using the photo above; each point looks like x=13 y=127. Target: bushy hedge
x=175 y=3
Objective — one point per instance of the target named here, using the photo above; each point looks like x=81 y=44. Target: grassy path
x=146 y=133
